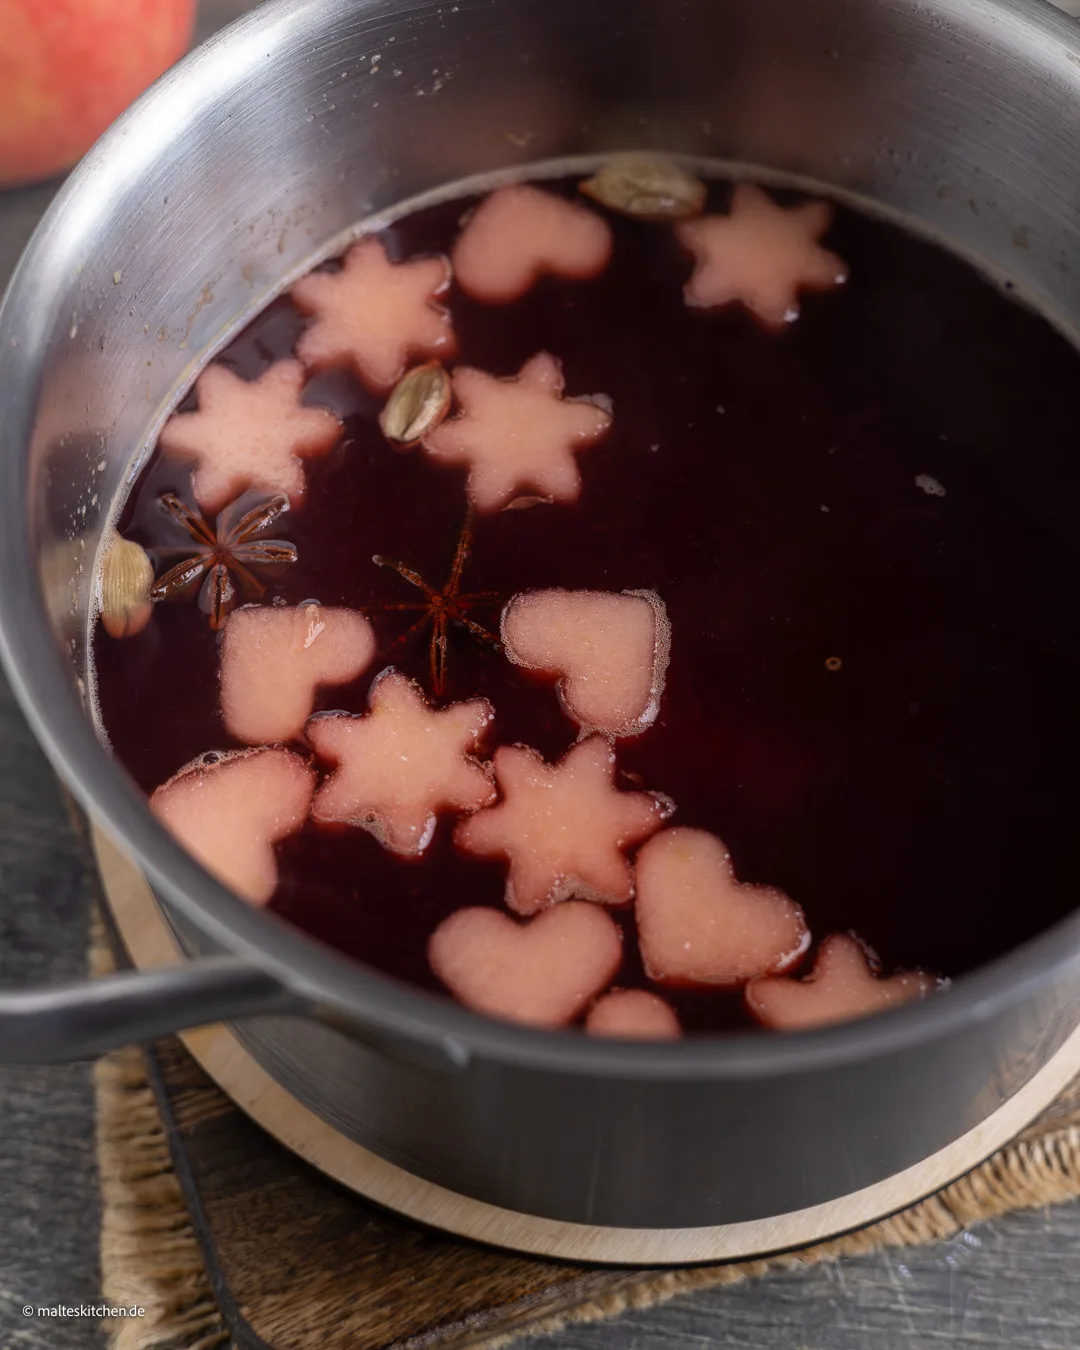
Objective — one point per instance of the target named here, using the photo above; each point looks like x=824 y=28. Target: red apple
x=69 y=67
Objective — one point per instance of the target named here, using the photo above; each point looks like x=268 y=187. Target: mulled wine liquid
x=863 y=529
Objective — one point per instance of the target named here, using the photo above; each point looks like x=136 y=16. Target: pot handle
x=85 y=1018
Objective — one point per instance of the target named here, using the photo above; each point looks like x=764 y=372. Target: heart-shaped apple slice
x=521 y=232
x=844 y=984
x=698 y=926
x=229 y=810
x=274 y=658
x=610 y=651
x=633 y=1014
x=541 y=973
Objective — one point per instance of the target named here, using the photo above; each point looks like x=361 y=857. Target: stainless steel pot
x=255 y=152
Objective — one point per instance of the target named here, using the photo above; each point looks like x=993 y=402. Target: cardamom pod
x=126 y=577
x=419 y=402
x=648 y=189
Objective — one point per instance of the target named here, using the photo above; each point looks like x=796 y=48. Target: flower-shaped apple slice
x=844 y=984
x=519 y=435
x=563 y=828
x=401 y=763
x=633 y=1014
x=274 y=658
x=520 y=233
x=230 y=809
x=610 y=651
x=541 y=973
x=760 y=255
x=375 y=315
x=698 y=926
x=249 y=434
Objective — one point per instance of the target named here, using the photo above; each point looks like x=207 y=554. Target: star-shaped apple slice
x=375 y=315
x=401 y=763
x=517 y=435
x=698 y=926
x=249 y=434
x=541 y=973
x=760 y=255
x=230 y=809
x=633 y=1014
x=563 y=828
x=520 y=233
x=274 y=658
x=844 y=984
x=610 y=651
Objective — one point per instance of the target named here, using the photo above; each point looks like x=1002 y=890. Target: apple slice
x=401 y=763
x=634 y=1014
x=541 y=973
x=375 y=315
x=249 y=434
x=563 y=828
x=698 y=926
x=844 y=984
x=521 y=232
x=609 y=650
x=274 y=658
x=230 y=809
x=761 y=255
x=517 y=436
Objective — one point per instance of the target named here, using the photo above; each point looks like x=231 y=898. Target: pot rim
x=331 y=983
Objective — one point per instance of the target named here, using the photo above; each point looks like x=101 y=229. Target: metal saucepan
x=198 y=204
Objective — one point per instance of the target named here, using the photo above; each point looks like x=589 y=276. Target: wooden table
x=1013 y=1285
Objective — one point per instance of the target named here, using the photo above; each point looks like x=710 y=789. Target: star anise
x=223 y=555
x=444 y=607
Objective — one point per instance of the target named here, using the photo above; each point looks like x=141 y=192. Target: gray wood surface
x=1012 y=1285
x=49 y=1217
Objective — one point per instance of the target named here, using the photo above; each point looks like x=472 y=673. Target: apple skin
x=68 y=68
